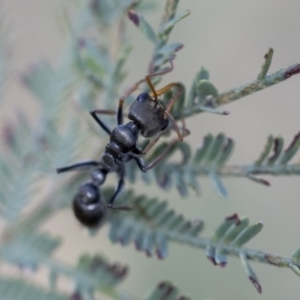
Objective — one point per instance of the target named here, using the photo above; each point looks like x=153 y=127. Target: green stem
x=169 y=13
x=246 y=89
x=242 y=171
x=255 y=255
x=78 y=276
x=257 y=85
x=170 y=10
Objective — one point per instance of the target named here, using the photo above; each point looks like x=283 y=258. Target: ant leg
x=78 y=166
x=167 y=88
x=180 y=136
x=141 y=163
x=171 y=103
x=137 y=150
x=154 y=92
x=117 y=193
x=151 y=144
x=154 y=141
x=135 y=86
x=98 y=120
x=185 y=132
x=120 y=112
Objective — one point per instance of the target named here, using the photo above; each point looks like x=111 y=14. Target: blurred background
x=229 y=38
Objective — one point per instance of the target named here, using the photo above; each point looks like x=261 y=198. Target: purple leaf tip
x=212 y=260
x=134 y=17
x=256 y=284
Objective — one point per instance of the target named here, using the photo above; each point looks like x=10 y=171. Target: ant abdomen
x=88 y=206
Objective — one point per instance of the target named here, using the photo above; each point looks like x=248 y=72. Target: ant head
x=88 y=206
x=148 y=115
x=98 y=176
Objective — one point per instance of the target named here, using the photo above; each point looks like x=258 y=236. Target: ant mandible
x=148 y=118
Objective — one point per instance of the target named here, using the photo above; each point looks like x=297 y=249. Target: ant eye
x=142 y=97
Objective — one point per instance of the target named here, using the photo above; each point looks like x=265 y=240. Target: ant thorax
x=124 y=137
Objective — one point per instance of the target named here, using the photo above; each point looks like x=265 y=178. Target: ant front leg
x=135 y=86
x=109 y=112
x=99 y=121
x=171 y=103
x=147 y=78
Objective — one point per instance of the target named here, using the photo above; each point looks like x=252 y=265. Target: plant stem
x=246 y=89
x=245 y=170
x=254 y=255
x=257 y=85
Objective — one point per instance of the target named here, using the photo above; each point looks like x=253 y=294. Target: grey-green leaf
x=291 y=150
x=266 y=64
x=218 y=184
x=250 y=273
x=247 y=234
x=143 y=26
x=225 y=225
x=205 y=88
x=166 y=28
x=166 y=291
x=235 y=229
x=296 y=254
x=266 y=151
x=16 y=289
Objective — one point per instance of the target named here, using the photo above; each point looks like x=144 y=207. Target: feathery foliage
x=17 y=289
x=93 y=67
x=167 y=291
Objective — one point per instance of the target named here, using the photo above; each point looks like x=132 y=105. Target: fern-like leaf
x=18 y=167
x=16 y=289
x=107 y=274
x=166 y=291
x=273 y=153
x=30 y=249
x=150 y=225
x=234 y=232
x=207 y=161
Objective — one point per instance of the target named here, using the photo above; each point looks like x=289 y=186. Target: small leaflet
x=218 y=185
x=250 y=273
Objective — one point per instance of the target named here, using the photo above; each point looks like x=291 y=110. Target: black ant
x=148 y=118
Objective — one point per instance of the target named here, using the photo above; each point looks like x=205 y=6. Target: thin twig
x=246 y=89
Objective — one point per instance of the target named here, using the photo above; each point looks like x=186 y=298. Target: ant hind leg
x=78 y=166
x=116 y=194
